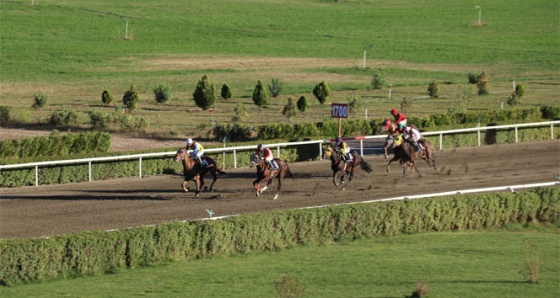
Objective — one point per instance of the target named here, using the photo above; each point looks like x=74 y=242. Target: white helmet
x=189 y=141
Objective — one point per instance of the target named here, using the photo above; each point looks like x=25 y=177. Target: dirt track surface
x=29 y=212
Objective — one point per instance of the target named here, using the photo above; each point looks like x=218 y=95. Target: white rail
x=234 y=150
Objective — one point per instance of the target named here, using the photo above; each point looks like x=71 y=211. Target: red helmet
x=393 y=112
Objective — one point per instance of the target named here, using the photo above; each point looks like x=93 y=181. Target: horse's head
x=386 y=125
x=255 y=160
x=180 y=155
x=327 y=153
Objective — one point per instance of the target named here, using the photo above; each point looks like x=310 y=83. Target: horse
x=193 y=171
x=341 y=168
x=406 y=153
x=264 y=173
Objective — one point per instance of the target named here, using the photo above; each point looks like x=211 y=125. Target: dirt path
x=100 y=205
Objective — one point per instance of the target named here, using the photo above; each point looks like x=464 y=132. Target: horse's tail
x=288 y=170
x=365 y=166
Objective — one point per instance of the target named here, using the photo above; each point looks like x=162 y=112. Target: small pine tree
x=275 y=88
x=162 y=93
x=40 y=100
x=204 y=94
x=354 y=103
x=377 y=81
x=482 y=84
x=106 y=97
x=473 y=78
x=321 y=92
x=260 y=97
x=302 y=104
x=519 y=90
x=226 y=92
x=405 y=105
x=130 y=98
x=433 y=89
x=289 y=109
x=240 y=113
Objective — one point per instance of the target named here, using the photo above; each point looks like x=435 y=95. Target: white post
x=364 y=67
x=366 y=114
x=390 y=90
x=513 y=85
x=126 y=31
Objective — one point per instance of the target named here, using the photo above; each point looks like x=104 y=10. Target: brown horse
x=266 y=174
x=406 y=154
x=341 y=168
x=193 y=171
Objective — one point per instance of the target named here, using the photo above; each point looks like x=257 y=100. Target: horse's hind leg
x=213 y=181
x=184 y=186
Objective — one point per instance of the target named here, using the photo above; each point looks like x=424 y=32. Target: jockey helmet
x=338 y=139
x=393 y=112
x=189 y=141
x=260 y=146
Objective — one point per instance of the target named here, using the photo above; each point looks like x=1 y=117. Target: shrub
x=289 y=109
x=433 y=89
x=204 y=94
x=130 y=98
x=63 y=117
x=377 y=81
x=226 y=92
x=321 y=92
x=235 y=132
x=288 y=287
x=405 y=105
x=98 y=119
x=513 y=100
x=106 y=97
x=550 y=112
x=354 y=103
x=482 y=84
x=302 y=104
x=240 y=113
x=473 y=78
x=162 y=93
x=519 y=90
x=4 y=115
x=260 y=97
x=533 y=264
x=40 y=100
x=275 y=88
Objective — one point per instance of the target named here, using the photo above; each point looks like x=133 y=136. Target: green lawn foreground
x=452 y=264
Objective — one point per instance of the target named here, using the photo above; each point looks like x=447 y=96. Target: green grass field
x=458 y=264
x=73 y=50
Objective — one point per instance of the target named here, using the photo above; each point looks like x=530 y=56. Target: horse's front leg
x=279 y=189
x=199 y=184
x=257 y=186
x=389 y=164
x=184 y=185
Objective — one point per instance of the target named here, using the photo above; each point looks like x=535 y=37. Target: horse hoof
x=185 y=189
x=275 y=197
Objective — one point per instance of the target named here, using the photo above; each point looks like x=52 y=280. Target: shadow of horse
x=341 y=168
x=407 y=155
x=193 y=171
x=264 y=173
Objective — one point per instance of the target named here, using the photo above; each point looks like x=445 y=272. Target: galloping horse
x=265 y=173
x=342 y=169
x=193 y=171
x=405 y=152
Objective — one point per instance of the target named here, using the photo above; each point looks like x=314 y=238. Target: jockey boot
x=348 y=157
x=417 y=146
x=200 y=163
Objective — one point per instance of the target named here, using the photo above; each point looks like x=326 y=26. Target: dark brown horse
x=406 y=154
x=341 y=168
x=193 y=171
x=266 y=174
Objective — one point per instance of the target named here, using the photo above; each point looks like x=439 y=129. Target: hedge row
x=101 y=252
x=55 y=145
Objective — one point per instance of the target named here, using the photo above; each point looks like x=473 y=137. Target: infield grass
x=73 y=50
x=453 y=264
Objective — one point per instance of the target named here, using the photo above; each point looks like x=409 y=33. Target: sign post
x=339 y=110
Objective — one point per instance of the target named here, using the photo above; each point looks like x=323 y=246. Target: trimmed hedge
x=92 y=253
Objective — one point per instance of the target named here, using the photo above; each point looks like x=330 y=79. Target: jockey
x=412 y=135
x=400 y=119
x=267 y=156
x=342 y=147
x=197 y=151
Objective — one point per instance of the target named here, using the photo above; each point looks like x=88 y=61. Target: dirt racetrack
x=49 y=210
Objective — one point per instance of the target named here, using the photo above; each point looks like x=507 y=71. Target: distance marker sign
x=339 y=110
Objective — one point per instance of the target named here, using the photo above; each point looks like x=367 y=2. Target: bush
x=513 y=100
x=289 y=109
x=240 y=113
x=473 y=78
x=4 y=115
x=63 y=117
x=205 y=94
x=550 y=112
x=130 y=98
x=302 y=104
x=321 y=92
x=40 y=100
x=519 y=90
x=235 y=132
x=275 y=88
x=433 y=89
x=377 y=81
x=162 y=93
x=354 y=103
x=106 y=97
x=260 y=97
x=226 y=92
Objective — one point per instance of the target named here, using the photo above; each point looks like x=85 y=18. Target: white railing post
x=36 y=175
x=321 y=150
x=362 y=147
x=551 y=131
x=140 y=167
x=234 y=159
x=89 y=171
x=478 y=136
x=440 y=141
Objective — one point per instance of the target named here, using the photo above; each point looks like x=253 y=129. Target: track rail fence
x=234 y=150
